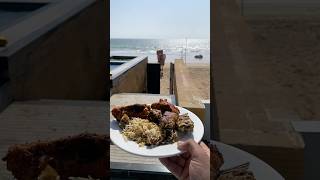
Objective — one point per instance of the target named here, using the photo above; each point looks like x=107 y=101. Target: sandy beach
x=199 y=72
x=292 y=50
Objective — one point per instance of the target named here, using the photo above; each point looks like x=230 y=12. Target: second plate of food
x=120 y=135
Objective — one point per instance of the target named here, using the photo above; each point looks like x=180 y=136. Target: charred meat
x=163 y=105
x=168 y=120
x=155 y=115
x=136 y=110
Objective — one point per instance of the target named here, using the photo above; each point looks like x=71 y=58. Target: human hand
x=193 y=164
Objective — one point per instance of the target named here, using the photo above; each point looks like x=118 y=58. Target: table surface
x=120 y=159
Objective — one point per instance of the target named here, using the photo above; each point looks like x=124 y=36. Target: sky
x=160 y=19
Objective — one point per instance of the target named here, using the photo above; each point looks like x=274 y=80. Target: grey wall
x=133 y=80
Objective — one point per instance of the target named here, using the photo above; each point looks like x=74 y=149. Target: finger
x=185 y=171
x=179 y=160
x=189 y=146
x=171 y=166
x=185 y=155
x=205 y=148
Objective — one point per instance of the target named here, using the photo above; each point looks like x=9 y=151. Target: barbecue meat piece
x=184 y=123
x=169 y=136
x=136 y=110
x=164 y=106
x=155 y=115
x=76 y=156
x=168 y=120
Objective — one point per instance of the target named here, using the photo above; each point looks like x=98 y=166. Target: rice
x=143 y=132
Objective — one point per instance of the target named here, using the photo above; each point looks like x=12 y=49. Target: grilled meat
x=164 y=106
x=136 y=110
x=155 y=115
x=168 y=120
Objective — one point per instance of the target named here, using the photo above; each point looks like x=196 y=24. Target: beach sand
x=292 y=51
x=200 y=74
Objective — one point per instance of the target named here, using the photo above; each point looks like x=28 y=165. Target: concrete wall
x=69 y=62
x=132 y=81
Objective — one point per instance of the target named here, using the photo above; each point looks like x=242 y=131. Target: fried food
x=152 y=125
x=164 y=106
x=155 y=115
x=184 y=123
x=168 y=120
x=77 y=156
x=135 y=110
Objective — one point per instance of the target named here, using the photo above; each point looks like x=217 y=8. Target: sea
x=185 y=49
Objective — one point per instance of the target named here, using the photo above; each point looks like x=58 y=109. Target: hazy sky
x=160 y=19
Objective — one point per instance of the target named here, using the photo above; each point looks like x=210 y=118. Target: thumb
x=189 y=146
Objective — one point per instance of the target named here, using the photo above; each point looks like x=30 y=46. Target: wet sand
x=199 y=72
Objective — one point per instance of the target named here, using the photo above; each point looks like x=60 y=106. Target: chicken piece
x=184 y=123
x=164 y=106
x=77 y=156
x=117 y=113
x=168 y=120
x=155 y=115
x=136 y=110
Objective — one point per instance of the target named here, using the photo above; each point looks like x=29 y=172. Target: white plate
x=161 y=150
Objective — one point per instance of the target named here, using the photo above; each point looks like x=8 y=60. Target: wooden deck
x=23 y=122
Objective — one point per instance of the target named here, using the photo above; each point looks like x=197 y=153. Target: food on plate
x=135 y=110
x=82 y=155
x=143 y=132
x=124 y=121
x=155 y=115
x=169 y=136
x=184 y=123
x=164 y=106
x=240 y=172
x=152 y=125
x=168 y=120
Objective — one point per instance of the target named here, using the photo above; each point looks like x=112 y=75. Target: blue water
x=173 y=48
